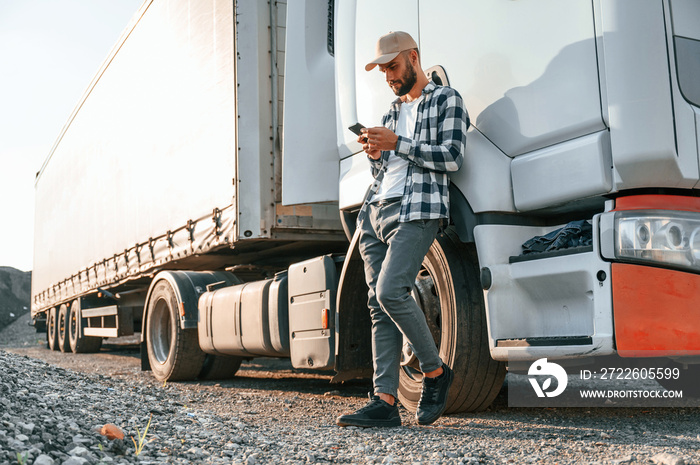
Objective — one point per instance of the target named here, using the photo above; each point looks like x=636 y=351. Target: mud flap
x=354 y=344
x=312 y=293
x=145 y=363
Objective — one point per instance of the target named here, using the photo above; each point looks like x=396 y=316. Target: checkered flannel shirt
x=437 y=148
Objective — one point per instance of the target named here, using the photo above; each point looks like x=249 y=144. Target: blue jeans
x=392 y=253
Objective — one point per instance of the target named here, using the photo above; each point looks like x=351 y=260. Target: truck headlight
x=668 y=238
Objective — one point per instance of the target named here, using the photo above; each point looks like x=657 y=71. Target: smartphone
x=357 y=128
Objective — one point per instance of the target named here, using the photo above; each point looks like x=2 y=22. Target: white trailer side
x=172 y=158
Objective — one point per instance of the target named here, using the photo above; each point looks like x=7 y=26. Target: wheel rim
x=73 y=326
x=457 y=309
x=161 y=331
x=61 y=325
x=426 y=295
x=52 y=324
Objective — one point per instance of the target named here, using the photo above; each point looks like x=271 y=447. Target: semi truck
x=205 y=189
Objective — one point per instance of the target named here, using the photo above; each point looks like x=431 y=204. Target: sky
x=49 y=52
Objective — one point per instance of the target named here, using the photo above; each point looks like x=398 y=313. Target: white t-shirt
x=392 y=185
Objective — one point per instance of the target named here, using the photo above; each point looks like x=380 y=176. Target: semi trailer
x=204 y=191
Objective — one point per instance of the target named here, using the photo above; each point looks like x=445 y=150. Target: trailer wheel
x=173 y=353
x=79 y=343
x=219 y=367
x=52 y=328
x=63 y=322
x=448 y=291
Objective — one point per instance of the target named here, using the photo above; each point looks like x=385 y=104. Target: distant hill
x=15 y=292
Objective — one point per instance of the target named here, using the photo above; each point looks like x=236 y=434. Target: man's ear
x=414 y=57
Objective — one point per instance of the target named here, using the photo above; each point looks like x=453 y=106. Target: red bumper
x=656 y=311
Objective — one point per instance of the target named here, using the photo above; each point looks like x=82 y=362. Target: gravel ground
x=52 y=406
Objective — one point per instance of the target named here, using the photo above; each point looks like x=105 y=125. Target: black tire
x=173 y=353
x=689 y=375
x=62 y=323
x=448 y=290
x=219 y=367
x=79 y=343
x=52 y=328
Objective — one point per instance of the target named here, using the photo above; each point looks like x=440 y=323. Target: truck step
x=546 y=341
x=554 y=253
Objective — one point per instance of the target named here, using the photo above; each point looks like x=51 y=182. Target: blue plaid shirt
x=437 y=148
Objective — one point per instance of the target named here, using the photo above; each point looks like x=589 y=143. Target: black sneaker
x=433 y=398
x=376 y=413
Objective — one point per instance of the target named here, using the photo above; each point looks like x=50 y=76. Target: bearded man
x=421 y=139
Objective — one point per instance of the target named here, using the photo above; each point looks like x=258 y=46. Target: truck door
x=363 y=96
x=528 y=73
x=527 y=70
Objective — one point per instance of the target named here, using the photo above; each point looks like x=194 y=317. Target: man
x=422 y=137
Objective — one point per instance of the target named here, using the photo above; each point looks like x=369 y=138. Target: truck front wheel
x=173 y=352
x=447 y=290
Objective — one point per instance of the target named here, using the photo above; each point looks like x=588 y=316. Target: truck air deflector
x=310 y=155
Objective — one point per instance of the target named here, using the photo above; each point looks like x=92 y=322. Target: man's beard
x=408 y=80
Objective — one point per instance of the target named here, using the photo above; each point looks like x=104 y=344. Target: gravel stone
x=51 y=414
x=667 y=459
x=79 y=452
x=76 y=461
x=44 y=459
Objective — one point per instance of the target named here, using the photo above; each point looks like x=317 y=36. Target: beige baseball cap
x=389 y=46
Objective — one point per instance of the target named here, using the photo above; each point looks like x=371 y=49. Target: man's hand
x=374 y=154
x=381 y=138
x=376 y=139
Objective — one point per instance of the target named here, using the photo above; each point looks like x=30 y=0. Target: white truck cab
x=580 y=110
